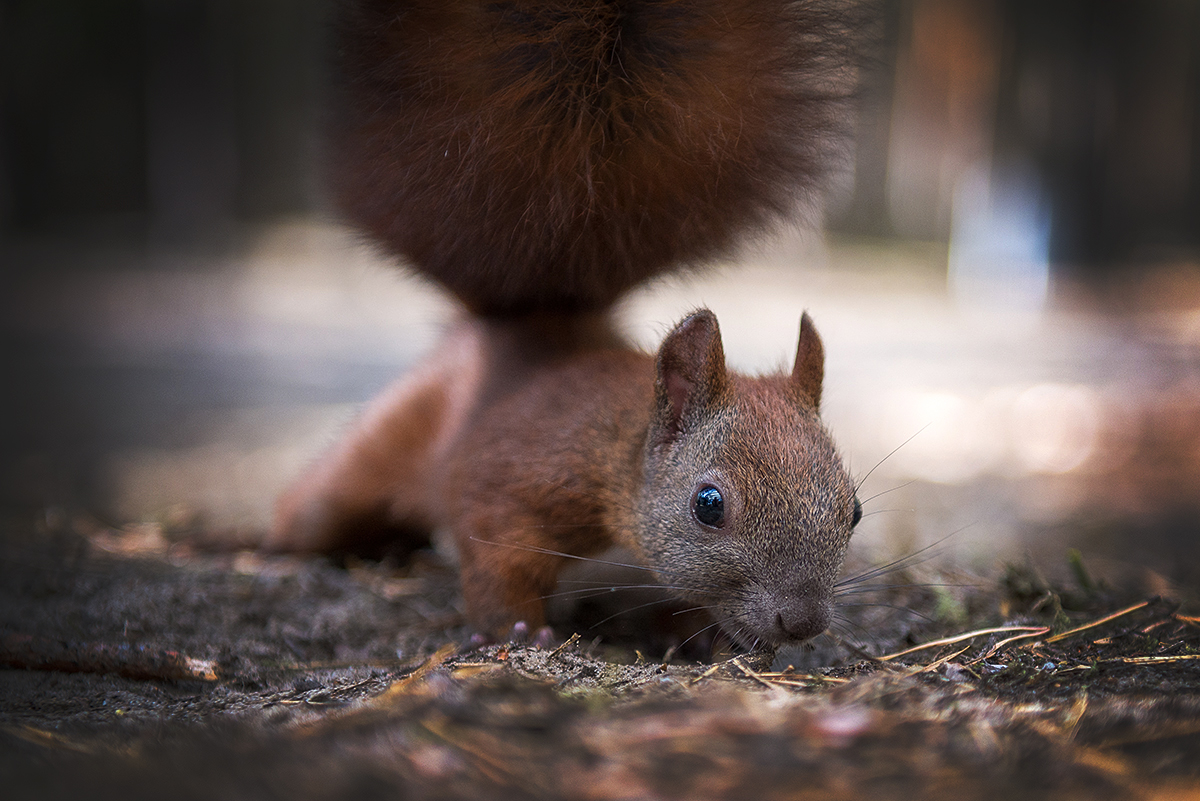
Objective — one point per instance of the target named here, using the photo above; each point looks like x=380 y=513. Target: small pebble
x=955 y=672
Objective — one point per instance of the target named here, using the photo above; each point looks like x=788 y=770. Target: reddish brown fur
x=590 y=447
x=543 y=457
x=552 y=466
x=539 y=158
x=381 y=477
x=551 y=154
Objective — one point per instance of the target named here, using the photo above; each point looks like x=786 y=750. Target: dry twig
x=1072 y=632
x=959 y=638
x=25 y=651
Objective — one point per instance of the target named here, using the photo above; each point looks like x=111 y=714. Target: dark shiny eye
x=857 y=514
x=709 y=506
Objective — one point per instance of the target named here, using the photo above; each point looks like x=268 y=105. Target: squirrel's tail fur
x=547 y=155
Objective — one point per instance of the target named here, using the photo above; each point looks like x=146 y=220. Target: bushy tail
x=547 y=155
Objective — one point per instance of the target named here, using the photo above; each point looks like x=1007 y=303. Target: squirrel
x=538 y=159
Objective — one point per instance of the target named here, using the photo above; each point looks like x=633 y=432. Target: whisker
x=899 y=564
x=880 y=587
x=885 y=492
x=886 y=511
x=564 y=555
x=597 y=590
x=698 y=633
x=595 y=584
x=695 y=609
x=910 y=610
x=844 y=628
x=850 y=625
x=630 y=610
x=856 y=650
x=862 y=480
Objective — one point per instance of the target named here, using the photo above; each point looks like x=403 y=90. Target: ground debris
x=325 y=686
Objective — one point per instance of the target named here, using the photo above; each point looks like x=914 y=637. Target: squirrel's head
x=748 y=509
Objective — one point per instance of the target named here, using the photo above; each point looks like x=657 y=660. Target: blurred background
x=1008 y=279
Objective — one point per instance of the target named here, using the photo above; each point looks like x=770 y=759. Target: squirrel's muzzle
x=793 y=616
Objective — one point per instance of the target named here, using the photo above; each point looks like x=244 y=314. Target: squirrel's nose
x=803 y=618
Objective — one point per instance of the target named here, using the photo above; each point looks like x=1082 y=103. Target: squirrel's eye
x=709 y=507
x=857 y=514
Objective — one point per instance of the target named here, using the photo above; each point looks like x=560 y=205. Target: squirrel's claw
x=542 y=638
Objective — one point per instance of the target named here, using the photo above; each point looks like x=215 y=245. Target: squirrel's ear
x=691 y=374
x=809 y=369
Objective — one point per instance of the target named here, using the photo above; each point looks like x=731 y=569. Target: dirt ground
x=140 y=667
x=136 y=664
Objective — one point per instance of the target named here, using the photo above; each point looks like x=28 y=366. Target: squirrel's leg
x=503 y=582
x=380 y=481
x=509 y=564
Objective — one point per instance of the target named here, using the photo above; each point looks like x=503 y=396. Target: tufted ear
x=691 y=376
x=809 y=369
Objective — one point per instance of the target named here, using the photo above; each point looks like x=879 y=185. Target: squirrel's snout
x=792 y=615
x=802 y=618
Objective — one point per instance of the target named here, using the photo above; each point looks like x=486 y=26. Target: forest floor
x=137 y=666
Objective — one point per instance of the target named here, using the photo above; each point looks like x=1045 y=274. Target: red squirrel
x=539 y=158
